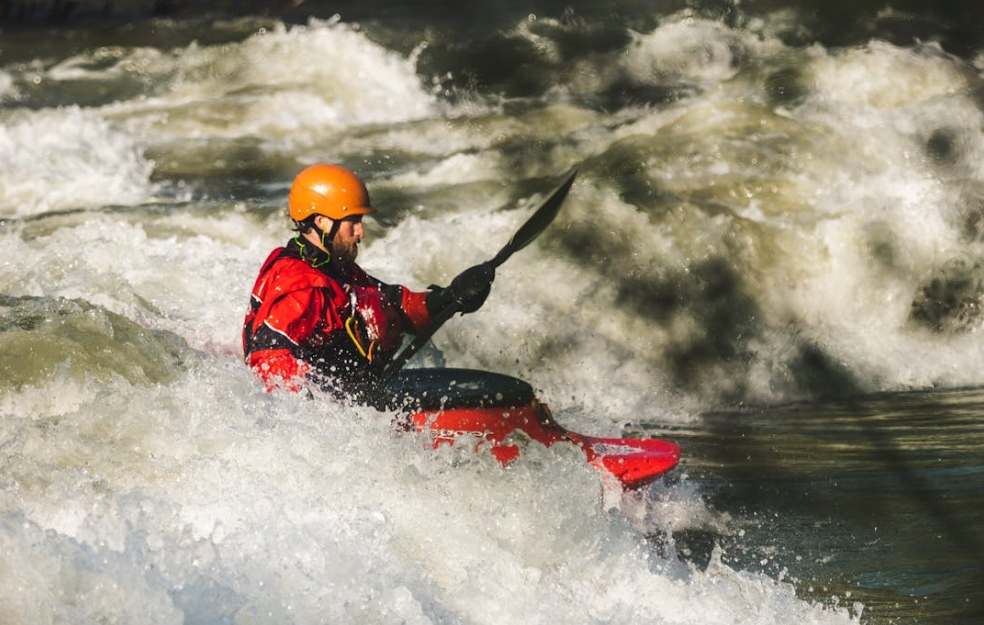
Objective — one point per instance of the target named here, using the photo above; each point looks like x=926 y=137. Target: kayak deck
x=453 y=403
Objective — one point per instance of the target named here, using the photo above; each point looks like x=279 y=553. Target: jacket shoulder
x=294 y=271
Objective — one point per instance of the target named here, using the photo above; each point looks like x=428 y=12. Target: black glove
x=469 y=290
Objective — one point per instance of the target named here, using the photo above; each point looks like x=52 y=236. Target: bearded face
x=345 y=245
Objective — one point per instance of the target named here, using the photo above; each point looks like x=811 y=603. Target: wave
x=65 y=158
x=791 y=222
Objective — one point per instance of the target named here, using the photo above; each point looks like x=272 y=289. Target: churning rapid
x=759 y=218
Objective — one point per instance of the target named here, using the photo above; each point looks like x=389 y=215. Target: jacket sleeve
x=414 y=306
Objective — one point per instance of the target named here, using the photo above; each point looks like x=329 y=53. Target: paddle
x=529 y=231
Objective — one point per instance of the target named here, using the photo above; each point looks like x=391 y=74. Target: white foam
x=203 y=497
x=158 y=271
x=7 y=89
x=692 y=50
x=209 y=497
x=292 y=88
x=55 y=159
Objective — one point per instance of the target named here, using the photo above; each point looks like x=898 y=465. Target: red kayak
x=451 y=403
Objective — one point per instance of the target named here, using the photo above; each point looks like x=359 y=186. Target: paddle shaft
x=529 y=231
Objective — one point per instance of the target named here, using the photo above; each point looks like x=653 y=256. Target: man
x=315 y=316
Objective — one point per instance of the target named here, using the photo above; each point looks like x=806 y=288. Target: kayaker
x=316 y=317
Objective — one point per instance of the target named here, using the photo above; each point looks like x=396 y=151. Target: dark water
x=876 y=499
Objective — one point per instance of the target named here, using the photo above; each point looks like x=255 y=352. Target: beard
x=345 y=252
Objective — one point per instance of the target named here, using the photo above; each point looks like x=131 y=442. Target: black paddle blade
x=537 y=222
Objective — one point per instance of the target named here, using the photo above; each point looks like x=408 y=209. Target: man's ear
x=324 y=223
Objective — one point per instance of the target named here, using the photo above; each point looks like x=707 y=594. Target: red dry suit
x=338 y=326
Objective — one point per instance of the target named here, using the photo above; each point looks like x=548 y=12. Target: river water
x=772 y=255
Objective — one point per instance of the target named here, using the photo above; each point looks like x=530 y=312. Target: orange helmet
x=329 y=190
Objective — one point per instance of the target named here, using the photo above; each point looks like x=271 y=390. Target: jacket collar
x=310 y=254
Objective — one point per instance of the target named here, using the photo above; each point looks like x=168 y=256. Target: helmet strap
x=326 y=238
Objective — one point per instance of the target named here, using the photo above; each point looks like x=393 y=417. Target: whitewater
x=756 y=223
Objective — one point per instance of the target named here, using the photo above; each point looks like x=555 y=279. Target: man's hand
x=468 y=290
x=472 y=286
